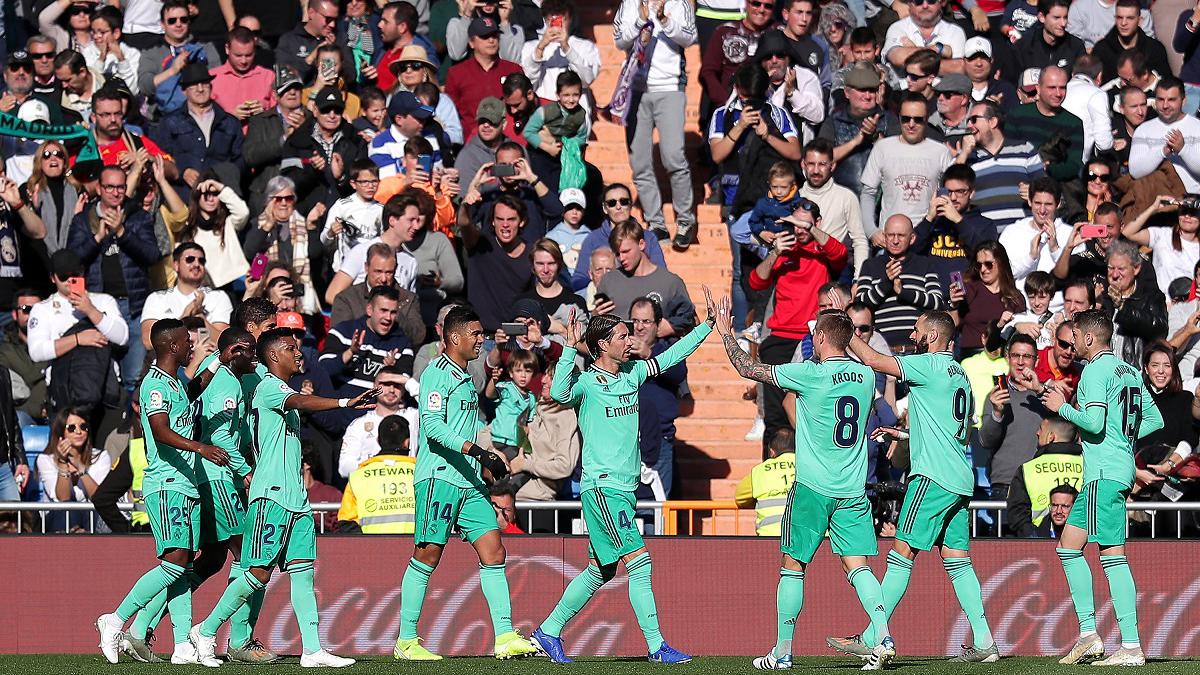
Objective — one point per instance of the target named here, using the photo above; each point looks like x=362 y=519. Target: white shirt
x=1146 y=150
x=1170 y=264
x=171 y=303
x=1090 y=104
x=142 y=16
x=1017 y=240
x=361 y=441
x=354 y=265
x=48 y=473
x=366 y=217
x=583 y=58
x=51 y=318
x=944 y=33
x=127 y=69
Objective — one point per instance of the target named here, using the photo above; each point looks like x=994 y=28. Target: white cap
x=572 y=196
x=977 y=45
x=34 y=110
x=1030 y=77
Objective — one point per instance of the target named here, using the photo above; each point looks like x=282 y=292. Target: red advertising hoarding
x=706 y=586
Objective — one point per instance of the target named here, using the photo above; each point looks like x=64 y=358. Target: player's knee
x=429 y=555
x=905 y=550
x=263 y=574
x=177 y=556
x=603 y=574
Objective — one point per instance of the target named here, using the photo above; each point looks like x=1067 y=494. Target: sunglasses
x=25 y=309
x=974 y=119
x=81 y=427
x=759 y=3
x=916 y=76
x=918 y=3
x=1063 y=344
x=47 y=154
x=864 y=328
x=412 y=66
x=78 y=9
x=210 y=193
x=284 y=198
x=41 y=55
x=613 y=203
x=912 y=119
x=987 y=264
x=18 y=67
x=189 y=259
x=1102 y=177
x=948 y=94
x=178 y=20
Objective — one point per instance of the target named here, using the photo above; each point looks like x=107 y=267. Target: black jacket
x=298 y=150
x=948 y=243
x=12 y=444
x=1142 y=319
x=1019 y=515
x=1109 y=48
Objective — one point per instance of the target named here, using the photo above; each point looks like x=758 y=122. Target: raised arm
x=311 y=403
x=880 y=363
x=566 y=376
x=746 y=366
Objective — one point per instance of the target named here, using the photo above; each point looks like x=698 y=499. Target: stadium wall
x=716 y=596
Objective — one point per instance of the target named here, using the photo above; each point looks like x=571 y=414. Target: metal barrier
x=666 y=515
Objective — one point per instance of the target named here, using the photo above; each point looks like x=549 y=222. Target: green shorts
x=174 y=520
x=809 y=515
x=1100 y=511
x=442 y=507
x=931 y=516
x=222 y=511
x=612 y=531
x=275 y=536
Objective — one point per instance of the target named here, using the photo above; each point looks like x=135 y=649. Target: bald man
x=1040 y=120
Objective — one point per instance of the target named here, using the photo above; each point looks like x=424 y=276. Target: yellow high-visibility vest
x=770 y=482
x=1043 y=474
x=137 y=463
x=384 y=498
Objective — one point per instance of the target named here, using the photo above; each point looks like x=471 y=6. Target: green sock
x=149 y=616
x=895 y=583
x=789 y=599
x=579 y=591
x=494 y=583
x=412 y=597
x=239 y=623
x=970 y=598
x=235 y=595
x=1124 y=597
x=872 y=598
x=179 y=604
x=149 y=585
x=641 y=596
x=304 y=602
x=1079 y=580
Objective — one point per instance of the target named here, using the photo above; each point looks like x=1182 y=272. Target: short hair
x=655 y=306
x=514 y=83
x=396 y=206
x=836 y=326
x=233 y=335
x=72 y=59
x=1039 y=282
x=1167 y=83
x=992 y=111
x=600 y=327
x=914 y=97
x=278 y=184
x=554 y=7
x=40 y=39
x=626 y=230
x=1084 y=283
x=781 y=170
x=1044 y=6
x=161 y=328
x=393 y=432
x=1124 y=248
x=1064 y=430
x=863 y=36
x=369 y=95
x=1137 y=61
x=172 y=4
x=241 y=35
x=751 y=80
x=110 y=15
x=513 y=202
x=415 y=147
x=821 y=146
x=406 y=14
x=567 y=78
x=783 y=440
x=1096 y=322
x=941 y=321
x=270 y=338
x=458 y=318
x=1046 y=185
x=1127 y=91
x=385 y=292
x=1065 y=488
x=502 y=489
x=360 y=165
x=177 y=254
x=253 y=310
x=1020 y=339
x=926 y=59
x=1135 y=4
x=960 y=172
x=857 y=306
x=1088 y=64
x=380 y=250
x=523 y=357
x=550 y=247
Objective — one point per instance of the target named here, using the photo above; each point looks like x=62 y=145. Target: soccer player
x=451 y=493
x=833 y=401
x=1112 y=410
x=280 y=527
x=935 y=510
x=171 y=497
x=606 y=396
x=222 y=495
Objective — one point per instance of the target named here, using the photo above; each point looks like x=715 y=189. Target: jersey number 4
x=1130 y=399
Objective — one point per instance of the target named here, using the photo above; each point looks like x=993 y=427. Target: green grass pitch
x=714 y=665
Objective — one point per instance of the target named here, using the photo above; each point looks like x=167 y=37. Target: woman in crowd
x=281 y=234
x=988 y=292
x=1081 y=198
x=1160 y=452
x=548 y=289
x=414 y=67
x=68 y=22
x=1177 y=249
x=55 y=196
x=836 y=23
x=215 y=216
x=70 y=468
x=358 y=29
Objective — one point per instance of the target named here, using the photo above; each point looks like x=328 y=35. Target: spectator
x=1052 y=45
x=979 y=68
x=480 y=75
x=14 y=472
x=555 y=50
x=1177 y=405
x=189 y=297
x=504 y=500
x=398 y=28
x=214 y=218
x=1041 y=494
x=841 y=215
x=731 y=45
x=953 y=226
x=600 y=262
x=950 y=118
x=356 y=350
x=903 y=170
x=264 y=54
x=481 y=147
x=570 y=232
x=317 y=156
x=659 y=103
x=365 y=436
x=855 y=127
x=511 y=37
x=1088 y=258
x=790 y=86
x=240 y=87
x=1127 y=34
x=534 y=339
x=1171 y=137
x=107 y=54
x=329 y=65
x=383 y=482
x=1177 y=249
x=1133 y=70
x=414 y=69
x=1044 y=120
x=1000 y=162
x=1086 y=101
x=658 y=395
x=542 y=204
x=70 y=468
x=557 y=136
x=1037 y=242
x=1057 y=362
x=1133 y=106
x=372 y=119
x=68 y=22
x=1091 y=20
x=22 y=371
x=439 y=273
x=317 y=491
x=924 y=28
x=401 y=220
x=1138 y=309
x=1082 y=198
x=766 y=487
x=410 y=118
x=799 y=17
x=900 y=286
x=267 y=131
x=299 y=47
x=554 y=447
x=638 y=277
x=1185 y=42
x=283 y=235
x=513 y=400
x=79 y=84
x=988 y=292
x=357 y=217
x=199 y=135
x=161 y=65
x=519 y=101
x=498 y=255
x=20 y=229
x=548 y=272
x=1011 y=412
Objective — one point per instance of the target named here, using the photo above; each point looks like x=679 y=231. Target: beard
x=922 y=345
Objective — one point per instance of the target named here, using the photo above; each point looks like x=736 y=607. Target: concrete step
x=733 y=468
x=704 y=488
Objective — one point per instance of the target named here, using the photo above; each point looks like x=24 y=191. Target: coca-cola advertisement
x=704 y=586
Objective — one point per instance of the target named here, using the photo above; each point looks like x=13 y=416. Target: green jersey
x=1114 y=411
x=833 y=401
x=278 y=475
x=167 y=468
x=221 y=412
x=511 y=405
x=939 y=419
x=608 y=410
x=449 y=418
x=249 y=383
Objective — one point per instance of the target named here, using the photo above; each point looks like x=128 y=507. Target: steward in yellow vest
x=380 y=496
x=1058 y=461
x=766 y=488
x=137 y=463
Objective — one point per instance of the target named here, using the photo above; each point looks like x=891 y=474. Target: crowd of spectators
x=351 y=169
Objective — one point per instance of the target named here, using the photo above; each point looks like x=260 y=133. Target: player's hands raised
x=720 y=312
x=365 y=400
x=574 y=330
x=214 y=454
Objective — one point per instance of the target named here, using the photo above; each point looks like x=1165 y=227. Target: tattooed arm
x=747 y=367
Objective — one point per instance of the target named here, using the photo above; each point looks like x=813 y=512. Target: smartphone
x=202 y=333
x=556 y=21
x=943 y=192
x=77 y=285
x=514 y=329
x=600 y=298
x=956 y=279
x=258 y=266
x=1092 y=231
x=425 y=163
x=503 y=170
x=328 y=68
x=1000 y=381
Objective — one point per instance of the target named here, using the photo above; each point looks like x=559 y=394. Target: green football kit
x=221 y=413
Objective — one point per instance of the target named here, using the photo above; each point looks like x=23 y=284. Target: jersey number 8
x=845 y=431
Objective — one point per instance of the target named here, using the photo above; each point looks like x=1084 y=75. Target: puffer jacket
x=138 y=251
x=179 y=134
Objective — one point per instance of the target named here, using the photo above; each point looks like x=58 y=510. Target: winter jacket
x=1141 y=320
x=178 y=133
x=300 y=147
x=138 y=251
x=767 y=210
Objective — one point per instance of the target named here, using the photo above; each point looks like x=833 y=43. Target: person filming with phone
x=1176 y=248
x=511 y=174
x=1010 y=416
x=953 y=226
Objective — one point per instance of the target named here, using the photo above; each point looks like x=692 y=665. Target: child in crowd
x=561 y=129
x=570 y=233
x=514 y=402
x=441 y=184
x=782 y=200
x=1039 y=289
x=355 y=218
x=373 y=114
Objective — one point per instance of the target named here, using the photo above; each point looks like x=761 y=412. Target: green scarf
x=87 y=155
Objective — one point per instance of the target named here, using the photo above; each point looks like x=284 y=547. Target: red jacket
x=797 y=275
x=1046 y=369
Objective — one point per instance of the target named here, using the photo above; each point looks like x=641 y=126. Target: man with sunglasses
x=617 y=204
x=361 y=441
x=298 y=47
x=319 y=153
x=953 y=92
x=14 y=356
x=42 y=50
x=160 y=67
x=731 y=45
x=189 y=296
x=854 y=127
x=1001 y=165
x=1058 y=362
x=924 y=28
x=18 y=81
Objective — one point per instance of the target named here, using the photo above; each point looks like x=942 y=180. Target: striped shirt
x=998 y=176
x=895 y=315
x=387 y=151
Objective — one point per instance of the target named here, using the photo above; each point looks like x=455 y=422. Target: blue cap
x=406 y=103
